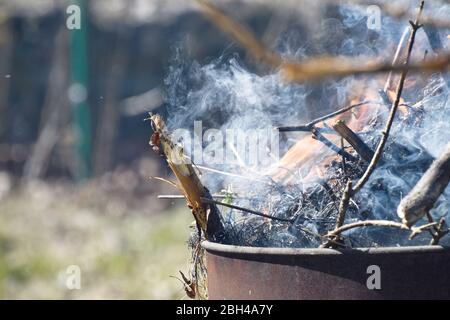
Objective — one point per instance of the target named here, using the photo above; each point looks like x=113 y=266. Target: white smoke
x=225 y=94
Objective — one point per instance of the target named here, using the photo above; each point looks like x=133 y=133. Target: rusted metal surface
x=281 y=273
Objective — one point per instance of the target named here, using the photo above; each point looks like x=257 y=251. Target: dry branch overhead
x=206 y=215
x=400 y=10
x=426 y=192
x=311 y=69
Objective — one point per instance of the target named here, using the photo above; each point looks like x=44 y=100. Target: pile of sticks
x=412 y=208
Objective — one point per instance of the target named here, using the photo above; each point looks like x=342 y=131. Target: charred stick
x=440 y=232
x=318 y=136
x=425 y=193
x=344 y=205
x=385 y=134
x=344 y=166
x=230 y=174
x=354 y=140
x=257 y=213
x=310 y=125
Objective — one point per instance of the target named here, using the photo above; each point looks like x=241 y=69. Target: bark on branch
x=206 y=215
x=311 y=69
x=426 y=192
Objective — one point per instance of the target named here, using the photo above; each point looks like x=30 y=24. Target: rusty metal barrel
x=237 y=272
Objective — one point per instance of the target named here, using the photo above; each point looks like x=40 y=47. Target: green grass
x=122 y=255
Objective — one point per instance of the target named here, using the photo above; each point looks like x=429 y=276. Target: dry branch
x=343 y=205
x=254 y=212
x=310 y=125
x=385 y=134
x=426 y=192
x=312 y=68
x=354 y=140
x=206 y=215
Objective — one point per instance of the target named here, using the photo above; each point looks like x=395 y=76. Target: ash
x=314 y=209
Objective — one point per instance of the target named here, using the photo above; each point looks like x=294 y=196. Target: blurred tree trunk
x=6 y=48
x=108 y=117
x=54 y=112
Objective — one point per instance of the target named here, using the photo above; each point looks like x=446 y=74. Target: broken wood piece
x=426 y=192
x=316 y=134
x=207 y=215
x=354 y=140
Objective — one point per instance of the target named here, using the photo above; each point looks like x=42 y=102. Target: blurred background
x=74 y=156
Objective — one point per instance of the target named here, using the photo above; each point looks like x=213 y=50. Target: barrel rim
x=213 y=247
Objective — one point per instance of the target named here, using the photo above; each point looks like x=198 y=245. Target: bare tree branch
x=385 y=134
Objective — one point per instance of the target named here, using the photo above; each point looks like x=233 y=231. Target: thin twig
x=317 y=135
x=310 y=125
x=343 y=205
x=378 y=223
x=394 y=61
x=180 y=196
x=257 y=213
x=344 y=165
x=232 y=174
x=173 y=184
x=385 y=134
x=440 y=232
x=418 y=230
